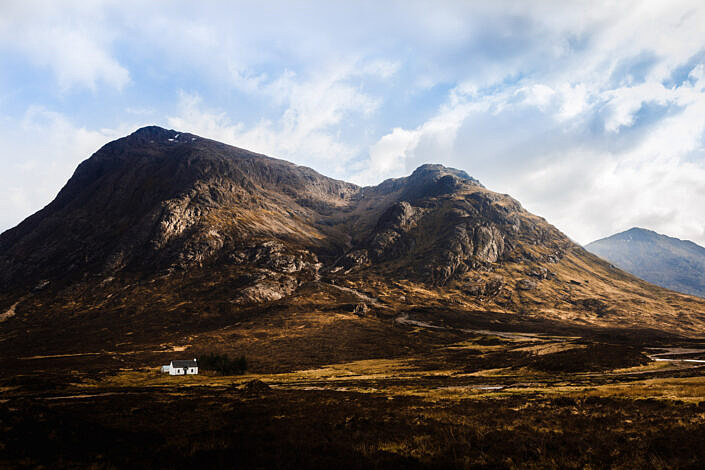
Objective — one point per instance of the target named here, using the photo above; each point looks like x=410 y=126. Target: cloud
x=40 y=153
x=75 y=59
x=592 y=164
x=71 y=39
x=310 y=126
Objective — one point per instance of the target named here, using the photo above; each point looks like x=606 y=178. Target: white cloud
x=574 y=99
x=388 y=154
x=308 y=129
x=70 y=39
x=624 y=102
x=537 y=95
x=40 y=153
x=292 y=137
x=75 y=58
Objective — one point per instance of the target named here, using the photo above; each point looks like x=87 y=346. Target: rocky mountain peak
x=637 y=233
x=155 y=133
x=432 y=172
x=431 y=180
x=148 y=141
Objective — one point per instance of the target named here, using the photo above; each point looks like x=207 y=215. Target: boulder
x=526 y=284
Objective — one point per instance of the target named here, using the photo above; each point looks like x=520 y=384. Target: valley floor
x=487 y=399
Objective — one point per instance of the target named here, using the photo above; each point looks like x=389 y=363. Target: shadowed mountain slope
x=163 y=236
x=666 y=261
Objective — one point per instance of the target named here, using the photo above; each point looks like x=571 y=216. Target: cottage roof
x=184 y=363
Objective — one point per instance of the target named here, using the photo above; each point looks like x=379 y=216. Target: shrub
x=223 y=364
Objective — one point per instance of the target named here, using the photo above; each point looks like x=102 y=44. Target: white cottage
x=178 y=367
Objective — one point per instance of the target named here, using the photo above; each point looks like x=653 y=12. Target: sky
x=591 y=114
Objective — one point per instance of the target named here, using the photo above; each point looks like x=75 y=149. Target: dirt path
x=675 y=352
x=509 y=335
x=363 y=297
x=405 y=320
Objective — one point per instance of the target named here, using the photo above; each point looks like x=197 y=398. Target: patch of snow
x=177 y=136
x=170 y=140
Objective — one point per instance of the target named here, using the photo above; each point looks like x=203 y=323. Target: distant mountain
x=666 y=261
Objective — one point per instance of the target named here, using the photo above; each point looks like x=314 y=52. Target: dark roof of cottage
x=184 y=363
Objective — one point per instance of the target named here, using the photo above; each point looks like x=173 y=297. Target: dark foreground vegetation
x=204 y=427
x=456 y=398
x=223 y=364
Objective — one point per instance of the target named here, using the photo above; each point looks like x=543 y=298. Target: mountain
x=165 y=238
x=665 y=261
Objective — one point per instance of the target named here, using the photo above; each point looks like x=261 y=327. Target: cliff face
x=160 y=213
